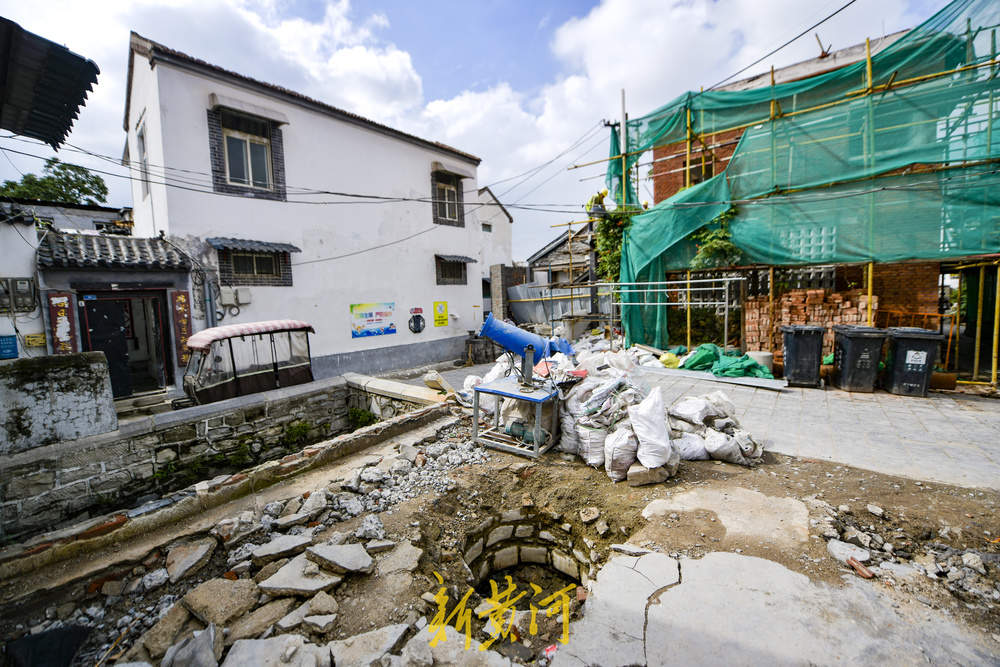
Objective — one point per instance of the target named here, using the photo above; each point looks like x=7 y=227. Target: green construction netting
x=827 y=171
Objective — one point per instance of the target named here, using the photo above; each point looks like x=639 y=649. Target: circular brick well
x=525 y=537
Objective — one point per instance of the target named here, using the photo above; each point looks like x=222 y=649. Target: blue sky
x=480 y=44
x=515 y=82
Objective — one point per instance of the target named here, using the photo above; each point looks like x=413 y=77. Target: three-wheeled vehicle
x=238 y=359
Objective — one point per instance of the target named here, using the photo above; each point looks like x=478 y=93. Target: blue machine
x=514 y=339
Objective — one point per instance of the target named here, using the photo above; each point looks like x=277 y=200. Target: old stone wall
x=45 y=486
x=52 y=398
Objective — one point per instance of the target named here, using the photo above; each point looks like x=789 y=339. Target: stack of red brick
x=804 y=306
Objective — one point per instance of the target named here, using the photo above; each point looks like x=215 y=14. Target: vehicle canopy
x=238 y=359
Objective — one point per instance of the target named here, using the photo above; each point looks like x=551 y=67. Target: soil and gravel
x=942 y=537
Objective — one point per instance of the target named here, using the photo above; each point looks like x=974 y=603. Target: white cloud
x=654 y=50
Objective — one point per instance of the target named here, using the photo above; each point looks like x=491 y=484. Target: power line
x=374 y=247
x=354 y=197
x=773 y=51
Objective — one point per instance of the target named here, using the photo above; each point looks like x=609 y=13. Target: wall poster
x=440 y=313
x=372 y=319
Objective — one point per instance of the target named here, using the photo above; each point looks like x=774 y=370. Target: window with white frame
x=247 y=150
x=447 y=195
x=140 y=140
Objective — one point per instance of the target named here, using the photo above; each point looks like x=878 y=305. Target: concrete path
x=729 y=609
x=948 y=438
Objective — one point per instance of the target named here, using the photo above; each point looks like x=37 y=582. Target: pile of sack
x=610 y=421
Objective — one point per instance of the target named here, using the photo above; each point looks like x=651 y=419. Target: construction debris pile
x=611 y=418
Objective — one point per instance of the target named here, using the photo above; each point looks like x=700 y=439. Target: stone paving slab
x=947 y=438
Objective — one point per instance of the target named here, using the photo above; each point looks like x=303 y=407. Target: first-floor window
x=450 y=273
x=255 y=264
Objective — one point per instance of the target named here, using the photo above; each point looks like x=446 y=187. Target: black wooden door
x=106 y=332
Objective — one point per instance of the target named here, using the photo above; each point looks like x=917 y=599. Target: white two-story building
x=295 y=209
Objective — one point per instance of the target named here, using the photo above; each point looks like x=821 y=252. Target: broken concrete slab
x=805 y=623
x=611 y=631
x=260 y=619
x=844 y=550
x=165 y=631
x=283 y=651
x=640 y=475
x=451 y=650
x=220 y=600
x=403 y=557
x=289 y=520
x=186 y=559
x=319 y=604
x=315 y=503
x=320 y=623
x=280 y=547
x=293 y=579
x=746 y=514
x=378 y=546
x=364 y=649
x=341 y=558
x=629 y=549
x=202 y=649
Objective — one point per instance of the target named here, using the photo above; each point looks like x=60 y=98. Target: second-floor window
x=248 y=151
x=447 y=194
x=140 y=139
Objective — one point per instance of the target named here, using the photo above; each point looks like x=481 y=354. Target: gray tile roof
x=457 y=258
x=93 y=251
x=222 y=243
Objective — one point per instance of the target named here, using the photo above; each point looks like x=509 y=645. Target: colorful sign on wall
x=440 y=313
x=372 y=319
x=62 y=320
x=182 y=324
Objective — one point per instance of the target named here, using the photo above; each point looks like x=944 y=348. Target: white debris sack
x=722 y=447
x=682 y=426
x=723 y=406
x=691 y=447
x=751 y=449
x=601 y=394
x=488 y=402
x=591 y=444
x=569 y=441
x=650 y=428
x=619 y=452
x=693 y=410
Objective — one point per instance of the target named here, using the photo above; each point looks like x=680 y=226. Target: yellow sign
x=440 y=313
x=35 y=340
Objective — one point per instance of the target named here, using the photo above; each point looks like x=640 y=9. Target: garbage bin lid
x=857 y=331
x=802 y=328
x=915 y=332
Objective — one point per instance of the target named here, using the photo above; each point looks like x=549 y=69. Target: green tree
x=60 y=182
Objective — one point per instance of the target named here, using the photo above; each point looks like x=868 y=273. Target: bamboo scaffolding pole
x=770 y=308
x=979 y=323
x=871 y=284
x=687 y=302
x=851 y=94
x=996 y=328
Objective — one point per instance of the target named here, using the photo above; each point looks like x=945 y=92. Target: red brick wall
x=912 y=286
x=668 y=174
x=814 y=306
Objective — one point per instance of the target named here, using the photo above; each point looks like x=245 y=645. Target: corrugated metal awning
x=456 y=258
x=97 y=251
x=42 y=84
x=221 y=243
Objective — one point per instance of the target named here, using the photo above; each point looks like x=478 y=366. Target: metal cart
x=510 y=387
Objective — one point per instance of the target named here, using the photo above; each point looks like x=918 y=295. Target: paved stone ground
x=948 y=438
